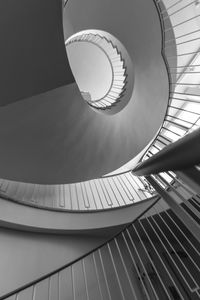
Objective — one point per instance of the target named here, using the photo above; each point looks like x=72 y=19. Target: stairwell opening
x=102 y=69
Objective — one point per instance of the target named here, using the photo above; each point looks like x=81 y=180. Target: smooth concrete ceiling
x=56 y=137
x=32 y=53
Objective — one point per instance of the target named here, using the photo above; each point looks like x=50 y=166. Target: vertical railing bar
x=181 y=197
x=63 y=191
x=176 y=118
x=24 y=190
x=195 y=201
x=103 y=187
x=182 y=43
x=127 y=274
x=98 y=193
x=178 y=10
x=73 y=283
x=157 y=139
x=134 y=263
x=38 y=193
x=141 y=262
x=179 y=229
x=89 y=182
x=160 y=137
x=116 y=273
x=165 y=128
x=97 y=275
x=85 y=279
x=104 y=273
x=45 y=196
x=179 y=182
x=134 y=189
x=168 y=8
x=159 y=146
x=132 y=177
x=107 y=179
x=52 y=195
x=70 y=193
x=183 y=54
x=178 y=241
x=58 y=202
x=165 y=138
x=49 y=286
x=77 y=197
x=187 y=94
x=118 y=178
x=182 y=127
x=181 y=23
x=182 y=109
x=185 y=72
x=151 y=154
x=139 y=187
x=184 y=83
x=181 y=36
x=83 y=197
x=181 y=67
x=103 y=180
x=58 y=285
x=179 y=271
x=162 y=263
x=86 y=193
x=33 y=294
x=125 y=185
x=15 y=190
x=118 y=190
x=156 y=147
x=42 y=202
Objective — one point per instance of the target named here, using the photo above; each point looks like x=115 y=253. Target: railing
x=182 y=156
x=117 y=63
x=183 y=113
x=96 y=194
x=155 y=257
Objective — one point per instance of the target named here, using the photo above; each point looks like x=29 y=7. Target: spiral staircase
x=134 y=231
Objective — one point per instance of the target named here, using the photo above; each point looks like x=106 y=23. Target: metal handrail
x=182 y=154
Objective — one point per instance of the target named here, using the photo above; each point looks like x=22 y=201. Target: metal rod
x=177 y=209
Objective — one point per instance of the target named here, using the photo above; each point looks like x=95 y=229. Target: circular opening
x=91 y=68
x=99 y=64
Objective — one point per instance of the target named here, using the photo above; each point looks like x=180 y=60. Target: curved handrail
x=89 y=196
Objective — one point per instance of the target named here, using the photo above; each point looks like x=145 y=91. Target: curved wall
x=56 y=138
